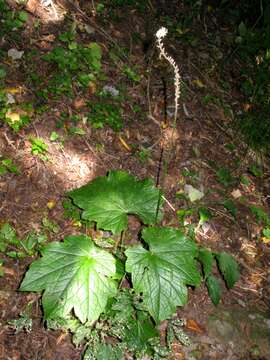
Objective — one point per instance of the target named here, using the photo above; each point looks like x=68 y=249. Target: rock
x=241 y=330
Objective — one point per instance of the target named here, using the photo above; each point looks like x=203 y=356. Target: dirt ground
x=200 y=138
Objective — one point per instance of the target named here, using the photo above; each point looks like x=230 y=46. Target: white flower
x=161 y=33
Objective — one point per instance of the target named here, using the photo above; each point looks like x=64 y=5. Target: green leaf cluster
x=17 y=125
x=39 y=147
x=76 y=64
x=14 y=247
x=11 y=19
x=79 y=276
x=7 y=165
x=226 y=265
x=102 y=114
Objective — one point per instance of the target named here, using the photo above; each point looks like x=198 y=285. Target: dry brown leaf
x=265 y=240
x=236 y=194
x=51 y=204
x=48 y=38
x=78 y=103
x=198 y=83
x=193 y=326
x=8 y=271
x=92 y=88
x=123 y=142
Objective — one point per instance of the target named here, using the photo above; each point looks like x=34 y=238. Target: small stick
x=168 y=203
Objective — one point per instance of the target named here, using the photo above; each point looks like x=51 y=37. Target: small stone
x=15 y=54
x=111 y=90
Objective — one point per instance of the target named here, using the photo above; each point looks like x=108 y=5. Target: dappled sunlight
x=46 y=10
x=67 y=164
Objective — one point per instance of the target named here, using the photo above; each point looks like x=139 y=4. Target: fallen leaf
x=13 y=116
x=8 y=271
x=14 y=90
x=123 y=142
x=265 y=240
x=15 y=54
x=91 y=88
x=49 y=38
x=78 y=103
x=236 y=194
x=247 y=107
x=44 y=45
x=198 y=83
x=51 y=204
x=193 y=193
x=10 y=99
x=193 y=326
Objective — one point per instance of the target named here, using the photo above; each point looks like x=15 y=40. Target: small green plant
x=260 y=215
x=255 y=170
x=131 y=74
x=102 y=114
x=226 y=265
x=1 y=268
x=225 y=177
x=144 y=155
x=24 y=322
x=7 y=166
x=230 y=206
x=50 y=226
x=14 y=247
x=77 y=275
x=14 y=120
x=39 y=148
x=11 y=20
x=262 y=218
x=77 y=65
x=190 y=174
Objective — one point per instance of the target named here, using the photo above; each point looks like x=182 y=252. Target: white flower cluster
x=160 y=34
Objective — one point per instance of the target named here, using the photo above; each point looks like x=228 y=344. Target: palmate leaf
x=109 y=199
x=75 y=275
x=162 y=272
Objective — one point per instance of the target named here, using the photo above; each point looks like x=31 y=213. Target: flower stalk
x=160 y=35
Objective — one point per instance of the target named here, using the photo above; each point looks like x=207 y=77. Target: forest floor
x=55 y=148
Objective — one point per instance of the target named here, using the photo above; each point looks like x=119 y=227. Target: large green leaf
x=75 y=275
x=162 y=272
x=229 y=268
x=109 y=199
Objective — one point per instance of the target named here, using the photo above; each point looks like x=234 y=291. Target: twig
x=10 y=143
x=148 y=98
x=168 y=203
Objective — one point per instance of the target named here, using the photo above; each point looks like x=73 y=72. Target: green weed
x=39 y=148
x=12 y=246
x=7 y=166
x=102 y=114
